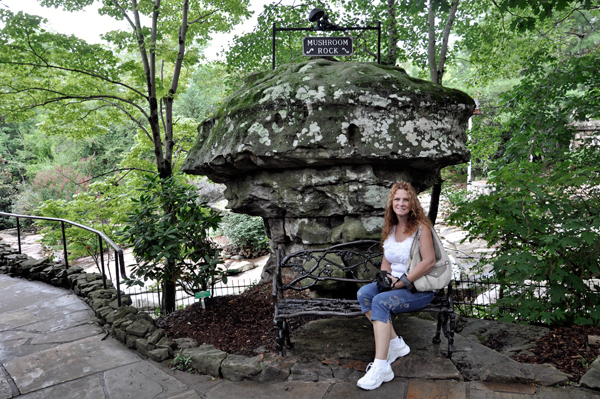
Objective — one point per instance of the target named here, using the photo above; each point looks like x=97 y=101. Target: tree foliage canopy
x=84 y=87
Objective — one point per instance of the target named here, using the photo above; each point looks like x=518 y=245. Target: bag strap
x=438 y=248
x=414 y=250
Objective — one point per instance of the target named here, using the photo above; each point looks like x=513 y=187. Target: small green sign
x=202 y=294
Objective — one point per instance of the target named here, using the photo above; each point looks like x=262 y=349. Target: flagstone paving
x=51 y=347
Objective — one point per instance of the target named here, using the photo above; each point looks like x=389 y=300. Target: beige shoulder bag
x=440 y=275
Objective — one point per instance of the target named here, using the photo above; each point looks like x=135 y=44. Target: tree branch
x=445 y=38
x=125 y=15
x=135 y=120
x=202 y=17
x=63 y=96
x=82 y=71
x=142 y=46
x=116 y=170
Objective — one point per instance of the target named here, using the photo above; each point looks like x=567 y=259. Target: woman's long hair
x=416 y=215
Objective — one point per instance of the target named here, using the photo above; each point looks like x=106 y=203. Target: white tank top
x=397 y=253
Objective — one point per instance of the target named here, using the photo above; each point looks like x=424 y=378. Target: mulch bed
x=237 y=324
x=243 y=324
x=567 y=349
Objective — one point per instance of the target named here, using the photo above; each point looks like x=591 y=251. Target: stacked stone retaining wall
x=137 y=330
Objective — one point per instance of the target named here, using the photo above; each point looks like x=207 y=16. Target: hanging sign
x=327 y=46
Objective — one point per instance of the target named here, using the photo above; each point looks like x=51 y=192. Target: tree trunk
x=392 y=33
x=433 y=72
x=435 y=199
x=169 y=295
x=436 y=73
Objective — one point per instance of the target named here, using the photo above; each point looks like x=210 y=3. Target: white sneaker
x=396 y=351
x=375 y=377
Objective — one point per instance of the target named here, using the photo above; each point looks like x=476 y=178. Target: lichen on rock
x=323 y=141
x=355 y=112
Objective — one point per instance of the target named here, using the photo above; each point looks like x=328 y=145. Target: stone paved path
x=51 y=347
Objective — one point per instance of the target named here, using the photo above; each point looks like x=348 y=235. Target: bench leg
x=282 y=337
x=286 y=331
x=436 y=339
x=449 y=332
x=279 y=337
x=442 y=326
x=451 y=336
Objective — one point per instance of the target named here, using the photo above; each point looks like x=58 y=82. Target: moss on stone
x=327 y=95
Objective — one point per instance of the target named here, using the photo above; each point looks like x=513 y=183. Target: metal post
x=122 y=260
x=19 y=234
x=62 y=225
x=379 y=42
x=118 y=279
x=469 y=168
x=102 y=261
x=273 y=64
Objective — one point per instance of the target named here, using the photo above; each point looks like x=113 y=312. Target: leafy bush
x=103 y=207
x=183 y=363
x=8 y=191
x=244 y=229
x=545 y=223
x=169 y=231
x=454 y=196
x=59 y=182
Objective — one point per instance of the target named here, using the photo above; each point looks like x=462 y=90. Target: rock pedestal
x=314 y=147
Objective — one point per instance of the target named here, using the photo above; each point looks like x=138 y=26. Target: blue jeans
x=383 y=304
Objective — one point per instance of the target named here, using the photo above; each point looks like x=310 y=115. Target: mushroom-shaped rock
x=314 y=147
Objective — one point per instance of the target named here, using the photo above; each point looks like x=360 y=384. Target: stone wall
x=137 y=330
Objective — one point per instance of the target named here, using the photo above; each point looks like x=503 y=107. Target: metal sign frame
x=331 y=28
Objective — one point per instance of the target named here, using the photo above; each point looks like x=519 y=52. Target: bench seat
x=351 y=262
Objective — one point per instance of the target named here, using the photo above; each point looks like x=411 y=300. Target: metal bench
x=346 y=266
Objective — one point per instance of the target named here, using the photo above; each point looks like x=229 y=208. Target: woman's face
x=401 y=203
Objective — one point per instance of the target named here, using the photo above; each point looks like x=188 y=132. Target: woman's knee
x=365 y=294
x=363 y=298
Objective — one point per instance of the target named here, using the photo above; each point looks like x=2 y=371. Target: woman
x=404 y=221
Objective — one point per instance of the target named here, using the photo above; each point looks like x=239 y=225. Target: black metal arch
x=330 y=27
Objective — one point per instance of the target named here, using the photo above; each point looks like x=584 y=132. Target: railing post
x=19 y=234
x=102 y=261
x=122 y=264
x=118 y=277
x=62 y=225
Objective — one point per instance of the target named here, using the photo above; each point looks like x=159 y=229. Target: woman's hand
x=396 y=283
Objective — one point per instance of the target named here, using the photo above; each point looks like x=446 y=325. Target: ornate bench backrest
x=352 y=262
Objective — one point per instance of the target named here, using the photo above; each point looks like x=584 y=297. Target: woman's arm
x=385 y=264
x=427 y=255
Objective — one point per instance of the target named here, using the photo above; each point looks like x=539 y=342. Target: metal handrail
x=119 y=260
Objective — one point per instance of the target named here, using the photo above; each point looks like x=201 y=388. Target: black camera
x=384 y=280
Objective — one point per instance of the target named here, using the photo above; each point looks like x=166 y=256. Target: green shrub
x=8 y=191
x=103 y=207
x=168 y=228
x=454 y=196
x=244 y=229
x=544 y=223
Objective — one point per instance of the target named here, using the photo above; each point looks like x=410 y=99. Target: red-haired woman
x=404 y=222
